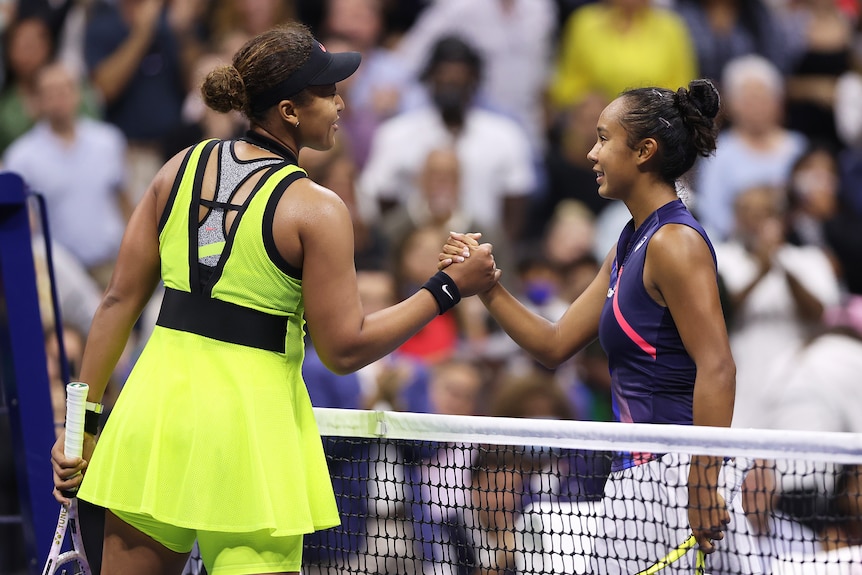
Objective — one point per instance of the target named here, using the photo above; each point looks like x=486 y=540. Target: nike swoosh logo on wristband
x=445 y=289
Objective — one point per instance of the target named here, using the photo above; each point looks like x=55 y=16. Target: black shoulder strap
x=194 y=210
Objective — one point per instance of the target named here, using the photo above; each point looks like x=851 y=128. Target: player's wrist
x=93 y=417
x=444 y=290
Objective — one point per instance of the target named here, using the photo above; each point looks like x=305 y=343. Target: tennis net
x=451 y=495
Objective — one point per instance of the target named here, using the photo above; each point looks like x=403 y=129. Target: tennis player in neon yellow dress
x=213 y=436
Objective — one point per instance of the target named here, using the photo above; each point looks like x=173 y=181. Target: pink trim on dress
x=628 y=329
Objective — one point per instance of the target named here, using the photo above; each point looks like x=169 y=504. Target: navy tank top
x=652 y=375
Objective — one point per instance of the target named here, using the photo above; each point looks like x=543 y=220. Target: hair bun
x=704 y=97
x=223 y=90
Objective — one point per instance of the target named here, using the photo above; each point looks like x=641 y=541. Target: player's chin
x=324 y=143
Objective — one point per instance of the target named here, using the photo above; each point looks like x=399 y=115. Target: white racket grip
x=76 y=402
x=734 y=471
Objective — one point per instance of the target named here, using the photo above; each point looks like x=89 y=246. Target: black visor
x=321 y=69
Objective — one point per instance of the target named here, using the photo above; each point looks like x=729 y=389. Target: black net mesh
x=443 y=495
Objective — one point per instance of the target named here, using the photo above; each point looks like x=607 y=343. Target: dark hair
x=262 y=62
x=682 y=122
x=453 y=49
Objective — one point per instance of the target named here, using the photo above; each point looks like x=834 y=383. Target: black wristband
x=92 y=421
x=444 y=291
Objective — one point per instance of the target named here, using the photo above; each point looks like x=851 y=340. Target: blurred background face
x=570 y=234
x=259 y=15
x=29 y=47
x=360 y=21
x=440 y=182
x=756 y=208
x=454 y=389
x=815 y=183
x=754 y=106
x=59 y=96
x=452 y=85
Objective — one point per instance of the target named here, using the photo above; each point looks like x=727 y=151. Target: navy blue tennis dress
x=652 y=375
x=644 y=511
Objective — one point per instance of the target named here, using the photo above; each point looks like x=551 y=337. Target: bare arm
x=135 y=276
x=345 y=338
x=680 y=273
x=808 y=307
x=551 y=343
x=113 y=74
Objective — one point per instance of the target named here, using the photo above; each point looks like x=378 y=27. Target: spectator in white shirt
x=777 y=291
x=78 y=164
x=515 y=39
x=497 y=173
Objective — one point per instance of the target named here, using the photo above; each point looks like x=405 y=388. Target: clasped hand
x=470 y=264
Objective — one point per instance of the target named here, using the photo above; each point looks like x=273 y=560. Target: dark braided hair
x=682 y=122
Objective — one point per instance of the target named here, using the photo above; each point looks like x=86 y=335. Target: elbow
x=553 y=350
x=724 y=374
x=549 y=358
x=547 y=362
x=112 y=299
x=342 y=367
x=342 y=363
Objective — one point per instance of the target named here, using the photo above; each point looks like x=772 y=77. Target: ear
x=646 y=150
x=287 y=112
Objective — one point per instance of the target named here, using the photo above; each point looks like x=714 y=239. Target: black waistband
x=222 y=320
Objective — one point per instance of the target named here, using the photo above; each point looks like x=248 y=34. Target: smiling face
x=318 y=115
x=614 y=161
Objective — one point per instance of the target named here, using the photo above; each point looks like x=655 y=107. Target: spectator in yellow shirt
x=614 y=45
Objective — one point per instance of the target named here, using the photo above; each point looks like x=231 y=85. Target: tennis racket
x=76 y=398
x=734 y=474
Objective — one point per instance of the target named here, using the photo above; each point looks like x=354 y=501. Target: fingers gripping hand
x=478 y=272
x=68 y=472
x=457 y=248
x=709 y=518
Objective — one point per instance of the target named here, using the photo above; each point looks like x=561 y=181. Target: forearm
x=114 y=73
x=369 y=338
x=109 y=334
x=808 y=307
x=532 y=332
x=714 y=392
x=815 y=89
x=738 y=299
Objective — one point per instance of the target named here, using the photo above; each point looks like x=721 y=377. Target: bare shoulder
x=678 y=245
x=310 y=202
x=169 y=171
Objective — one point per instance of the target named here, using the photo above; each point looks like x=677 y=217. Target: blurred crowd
x=473 y=115
x=477 y=115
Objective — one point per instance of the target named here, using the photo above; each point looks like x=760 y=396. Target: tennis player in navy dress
x=654 y=305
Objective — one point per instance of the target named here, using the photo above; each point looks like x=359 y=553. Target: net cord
x=845 y=448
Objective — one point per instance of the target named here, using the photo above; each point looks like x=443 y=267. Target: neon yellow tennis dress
x=214 y=429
